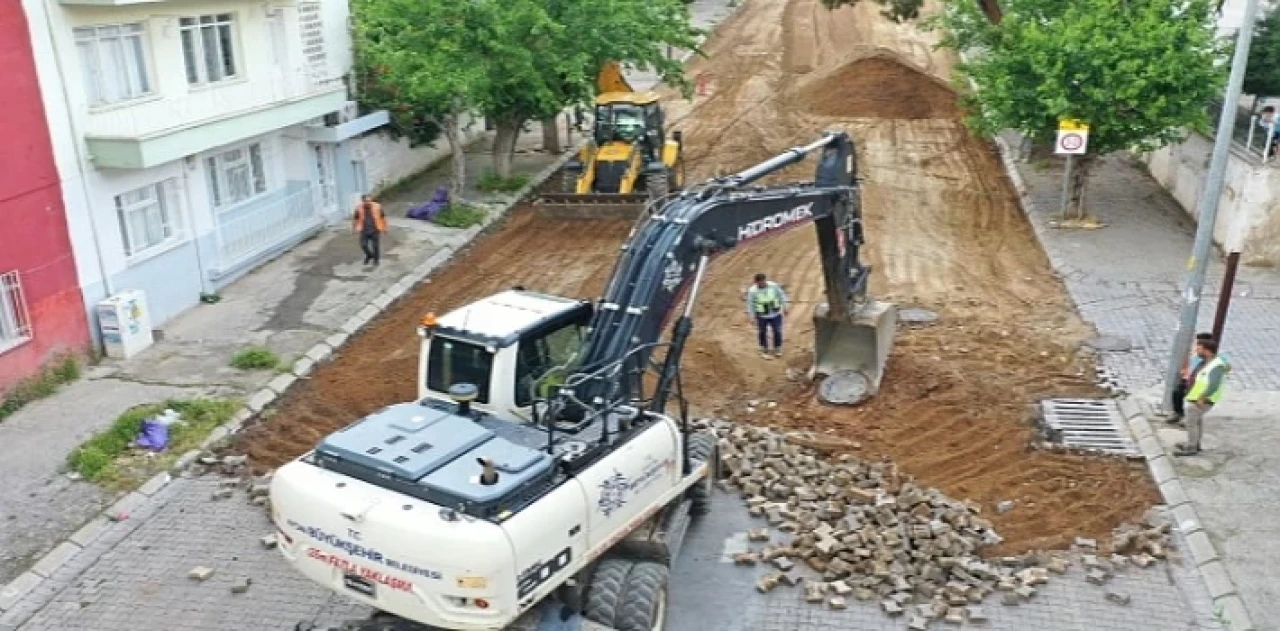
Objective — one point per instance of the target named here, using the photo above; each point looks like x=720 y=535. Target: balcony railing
x=250 y=230
x=1246 y=132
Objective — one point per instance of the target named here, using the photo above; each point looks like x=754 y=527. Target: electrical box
x=125 y=322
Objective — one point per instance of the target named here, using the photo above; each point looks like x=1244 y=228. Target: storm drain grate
x=1088 y=424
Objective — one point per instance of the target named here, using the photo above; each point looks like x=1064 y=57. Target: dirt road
x=945 y=234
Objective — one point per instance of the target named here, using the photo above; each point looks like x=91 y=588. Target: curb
x=16 y=590
x=19 y=588
x=1227 y=603
x=1226 y=600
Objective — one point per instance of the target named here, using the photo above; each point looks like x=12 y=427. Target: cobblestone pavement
x=1127 y=278
x=709 y=592
x=140 y=583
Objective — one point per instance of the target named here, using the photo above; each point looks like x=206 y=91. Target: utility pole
x=1208 y=208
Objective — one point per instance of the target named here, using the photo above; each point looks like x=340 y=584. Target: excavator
x=493 y=502
x=628 y=163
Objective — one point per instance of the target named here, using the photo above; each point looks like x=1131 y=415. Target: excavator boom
x=665 y=257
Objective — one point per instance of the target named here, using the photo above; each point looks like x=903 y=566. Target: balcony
x=155 y=132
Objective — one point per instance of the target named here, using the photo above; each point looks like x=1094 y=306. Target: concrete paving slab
x=261 y=399
x=282 y=382
x=303 y=366
x=16 y=589
x=54 y=561
x=90 y=531
x=1201 y=548
x=157 y=482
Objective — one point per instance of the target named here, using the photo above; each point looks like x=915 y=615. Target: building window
x=236 y=175
x=15 y=327
x=208 y=48
x=148 y=217
x=114 y=62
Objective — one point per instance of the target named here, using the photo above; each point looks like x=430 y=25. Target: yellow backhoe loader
x=628 y=161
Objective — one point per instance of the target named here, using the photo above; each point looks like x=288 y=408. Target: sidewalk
x=288 y=305
x=1126 y=280
x=131 y=575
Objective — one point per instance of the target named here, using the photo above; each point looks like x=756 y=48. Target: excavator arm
x=666 y=255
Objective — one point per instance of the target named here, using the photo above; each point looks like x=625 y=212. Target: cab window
x=538 y=355
x=452 y=362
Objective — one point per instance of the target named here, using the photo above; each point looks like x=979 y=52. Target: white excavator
x=539 y=482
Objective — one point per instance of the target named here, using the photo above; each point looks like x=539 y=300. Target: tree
x=1138 y=72
x=551 y=50
x=425 y=62
x=1262 y=77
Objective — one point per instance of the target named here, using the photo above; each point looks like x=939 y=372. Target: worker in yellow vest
x=766 y=303
x=1206 y=386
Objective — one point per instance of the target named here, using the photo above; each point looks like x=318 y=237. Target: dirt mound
x=879 y=86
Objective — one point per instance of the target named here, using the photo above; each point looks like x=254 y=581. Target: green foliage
x=493 y=183
x=1262 y=77
x=105 y=456
x=1138 y=72
x=57 y=373
x=422 y=61
x=514 y=60
x=460 y=216
x=255 y=358
x=896 y=10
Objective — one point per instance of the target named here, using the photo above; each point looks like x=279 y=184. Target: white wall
x=1249 y=211
x=174 y=103
x=388 y=161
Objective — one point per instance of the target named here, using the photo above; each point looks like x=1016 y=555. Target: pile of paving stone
x=867 y=531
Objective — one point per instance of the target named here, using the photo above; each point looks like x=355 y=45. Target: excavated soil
x=945 y=233
x=879 y=87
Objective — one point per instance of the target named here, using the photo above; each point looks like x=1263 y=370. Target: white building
x=196 y=139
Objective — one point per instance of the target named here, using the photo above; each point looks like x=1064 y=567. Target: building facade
x=41 y=309
x=195 y=139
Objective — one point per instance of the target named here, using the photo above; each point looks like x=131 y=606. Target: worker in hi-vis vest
x=766 y=303
x=1205 y=391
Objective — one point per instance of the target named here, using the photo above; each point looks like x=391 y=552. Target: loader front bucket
x=850 y=353
x=590 y=206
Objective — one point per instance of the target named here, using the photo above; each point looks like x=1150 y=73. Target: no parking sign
x=1073 y=137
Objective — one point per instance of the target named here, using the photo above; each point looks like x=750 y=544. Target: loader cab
x=629 y=117
x=507 y=345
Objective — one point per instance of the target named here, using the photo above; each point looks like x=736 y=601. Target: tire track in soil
x=945 y=233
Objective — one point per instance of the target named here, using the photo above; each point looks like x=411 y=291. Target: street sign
x=1073 y=137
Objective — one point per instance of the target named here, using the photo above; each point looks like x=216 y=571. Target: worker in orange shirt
x=369 y=222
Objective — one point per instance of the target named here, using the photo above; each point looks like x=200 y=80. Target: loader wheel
x=658 y=185
x=702 y=446
x=569 y=181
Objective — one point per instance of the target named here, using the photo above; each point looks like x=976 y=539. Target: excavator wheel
x=628 y=595
x=702 y=447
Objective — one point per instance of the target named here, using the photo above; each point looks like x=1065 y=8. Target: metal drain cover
x=846 y=387
x=1094 y=424
x=913 y=315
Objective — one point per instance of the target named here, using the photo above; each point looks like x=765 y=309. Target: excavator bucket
x=850 y=353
